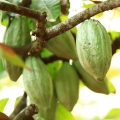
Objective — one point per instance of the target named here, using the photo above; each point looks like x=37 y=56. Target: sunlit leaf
x=8 y=54
x=64 y=114
x=5 y=20
x=51 y=7
x=3 y=102
x=114 y=34
x=113 y=114
x=113 y=72
x=88 y=5
x=111 y=87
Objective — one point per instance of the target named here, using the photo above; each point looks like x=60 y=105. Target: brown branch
x=80 y=17
x=27 y=113
x=20 y=10
x=61 y=27
x=20 y=106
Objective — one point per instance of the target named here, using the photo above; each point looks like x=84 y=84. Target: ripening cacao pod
x=67 y=86
x=94 y=48
x=89 y=81
x=17 y=34
x=38 y=83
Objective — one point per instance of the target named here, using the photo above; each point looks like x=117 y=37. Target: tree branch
x=20 y=106
x=80 y=17
x=63 y=26
x=19 y=10
x=68 y=24
x=27 y=113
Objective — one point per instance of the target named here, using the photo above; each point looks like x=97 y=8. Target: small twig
x=20 y=106
x=27 y=112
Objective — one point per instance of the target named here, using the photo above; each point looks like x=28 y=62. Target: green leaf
x=114 y=35
x=3 y=102
x=5 y=19
x=111 y=87
x=113 y=114
x=1 y=66
x=88 y=5
x=64 y=114
x=46 y=53
x=51 y=7
x=54 y=67
x=7 y=53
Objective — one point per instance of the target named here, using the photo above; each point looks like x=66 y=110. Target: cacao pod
x=38 y=83
x=50 y=113
x=67 y=86
x=17 y=34
x=63 y=45
x=90 y=82
x=94 y=48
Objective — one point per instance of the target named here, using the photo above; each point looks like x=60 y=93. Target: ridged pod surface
x=94 y=48
x=17 y=34
x=50 y=113
x=90 y=82
x=67 y=86
x=62 y=45
x=38 y=83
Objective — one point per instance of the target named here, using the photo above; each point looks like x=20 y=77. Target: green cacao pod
x=38 y=83
x=89 y=81
x=67 y=86
x=63 y=45
x=94 y=48
x=50 y=113
x=17 y=34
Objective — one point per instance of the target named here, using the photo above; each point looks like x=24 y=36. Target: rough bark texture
x=61 y=27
